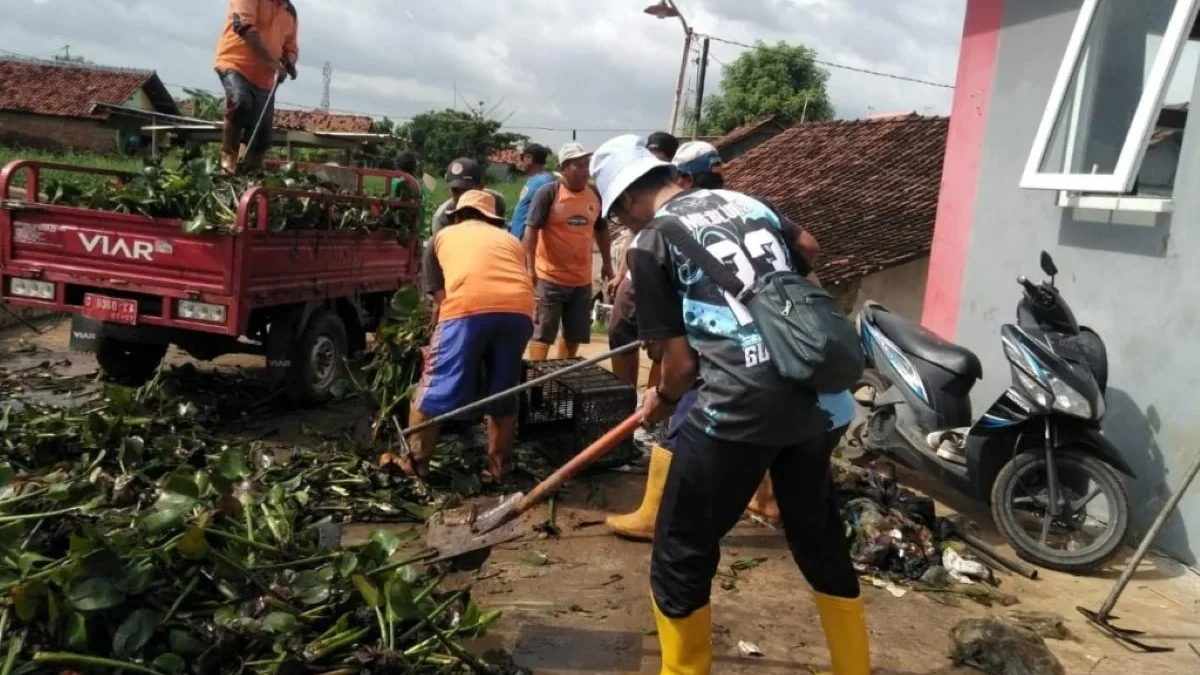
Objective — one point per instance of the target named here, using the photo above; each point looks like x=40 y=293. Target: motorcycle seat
x=922 y=343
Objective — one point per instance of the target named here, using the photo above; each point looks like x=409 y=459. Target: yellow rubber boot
x=846 y=632
x=686 y=643
x=538 y=351
x=640 y=524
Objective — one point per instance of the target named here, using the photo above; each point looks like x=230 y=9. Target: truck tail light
x=201 y=311
x=31 y=288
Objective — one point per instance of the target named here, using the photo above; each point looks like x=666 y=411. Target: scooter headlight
x=1067 y=400
x=1033 y=390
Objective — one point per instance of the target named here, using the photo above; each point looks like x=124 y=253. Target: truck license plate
x=116 y=310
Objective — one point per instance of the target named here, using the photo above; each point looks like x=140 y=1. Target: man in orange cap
x=257 y=49
x=483 y=313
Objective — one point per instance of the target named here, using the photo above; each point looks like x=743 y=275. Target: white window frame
x=1133 y=151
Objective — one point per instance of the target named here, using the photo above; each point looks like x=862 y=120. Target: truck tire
x=128 y=363
x=318 y=359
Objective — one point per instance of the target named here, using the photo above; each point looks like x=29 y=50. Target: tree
x=438 y=137
x=782 y=80
x=204 y=105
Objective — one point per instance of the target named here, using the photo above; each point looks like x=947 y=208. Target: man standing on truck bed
x=257 y=49
x=564 y=224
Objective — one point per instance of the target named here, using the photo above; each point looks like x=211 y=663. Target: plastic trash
x=999 y=648
x=962 y=570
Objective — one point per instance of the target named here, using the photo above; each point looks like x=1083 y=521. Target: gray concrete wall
x=901 y=289
x=1133 y=279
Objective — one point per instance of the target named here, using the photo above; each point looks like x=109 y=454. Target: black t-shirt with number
x=741 y=397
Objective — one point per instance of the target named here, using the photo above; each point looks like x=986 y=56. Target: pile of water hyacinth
x=205 y=199
x=134 y=541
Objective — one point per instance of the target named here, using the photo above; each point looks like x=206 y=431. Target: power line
x=830 y=64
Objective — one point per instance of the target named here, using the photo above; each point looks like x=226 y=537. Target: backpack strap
x=679 y=237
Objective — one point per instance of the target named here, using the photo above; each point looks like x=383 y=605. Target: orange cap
x=480 y=200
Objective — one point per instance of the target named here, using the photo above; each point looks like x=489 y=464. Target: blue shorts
x=460 y=349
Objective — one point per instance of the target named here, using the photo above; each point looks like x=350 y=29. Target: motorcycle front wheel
x=1086 y=534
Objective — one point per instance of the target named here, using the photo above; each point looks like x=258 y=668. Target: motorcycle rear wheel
x=1108 y=482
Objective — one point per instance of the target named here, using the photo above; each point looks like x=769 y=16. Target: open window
x=1112 y=129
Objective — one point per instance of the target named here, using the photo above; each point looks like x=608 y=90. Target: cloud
x=599 y=67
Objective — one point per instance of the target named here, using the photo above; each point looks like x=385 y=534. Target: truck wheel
x=319 y=359
x=128 y=363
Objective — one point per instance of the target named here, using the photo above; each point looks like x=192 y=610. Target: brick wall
x=54 y=133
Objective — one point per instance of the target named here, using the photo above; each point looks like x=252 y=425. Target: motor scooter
x=1037 y=455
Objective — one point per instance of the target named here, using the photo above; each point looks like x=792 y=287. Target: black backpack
x=807 y=336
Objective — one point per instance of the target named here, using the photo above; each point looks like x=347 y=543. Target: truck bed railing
x=253 y=206
x=32 y=169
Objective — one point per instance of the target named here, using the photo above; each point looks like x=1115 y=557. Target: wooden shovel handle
x=601 y=447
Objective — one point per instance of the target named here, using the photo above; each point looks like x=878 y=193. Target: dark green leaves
x=95 y=593
x=134 y=632
x=179 y=495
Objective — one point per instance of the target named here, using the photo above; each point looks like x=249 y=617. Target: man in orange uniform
x=483 y=309
x=563 y=226
x=256 y=50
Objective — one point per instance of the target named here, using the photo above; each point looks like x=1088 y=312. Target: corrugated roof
x=69 y=89
x=866 y=189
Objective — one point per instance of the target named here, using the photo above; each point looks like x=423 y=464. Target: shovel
x=459 y=531
x=258 y=125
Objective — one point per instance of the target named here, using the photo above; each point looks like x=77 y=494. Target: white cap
x=618 y=163
x=571 y=151
x=696 y=157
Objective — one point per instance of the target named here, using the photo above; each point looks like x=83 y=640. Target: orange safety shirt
x=566 y=222
x=481 y=268
x=274 y=21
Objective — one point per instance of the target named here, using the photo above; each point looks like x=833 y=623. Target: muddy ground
x=586 y=609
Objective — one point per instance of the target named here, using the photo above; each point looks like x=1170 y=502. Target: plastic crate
x=566 y=415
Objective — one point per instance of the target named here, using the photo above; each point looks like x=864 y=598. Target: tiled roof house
x=747 y=137
x=866 y=189
x=50 y=104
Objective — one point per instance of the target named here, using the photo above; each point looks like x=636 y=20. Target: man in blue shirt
x=533 y=164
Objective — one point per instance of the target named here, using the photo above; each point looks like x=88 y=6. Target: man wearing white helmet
x=697 y=165
x=746 y=421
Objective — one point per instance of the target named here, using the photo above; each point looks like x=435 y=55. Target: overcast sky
x=602 y=67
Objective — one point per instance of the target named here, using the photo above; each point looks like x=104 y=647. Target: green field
x=510 y=189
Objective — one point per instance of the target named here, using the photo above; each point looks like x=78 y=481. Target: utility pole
x=700 y=87
x=683 y=63
x=327 y=76
x=666 y=9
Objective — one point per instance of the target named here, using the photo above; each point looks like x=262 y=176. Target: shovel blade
x=456 y=532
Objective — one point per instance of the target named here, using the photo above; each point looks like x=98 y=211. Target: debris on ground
x=895 y=533
x=133 y=539
x=1048 y=625
x=749 y=649
x=998 y=648
x=962 y=570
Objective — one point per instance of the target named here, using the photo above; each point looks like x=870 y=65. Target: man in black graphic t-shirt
x=746 y=420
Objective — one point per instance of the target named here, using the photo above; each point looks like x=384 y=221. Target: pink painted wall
x=960 y=173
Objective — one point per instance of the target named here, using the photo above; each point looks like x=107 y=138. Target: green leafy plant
x=133 y=540
x=206 y=200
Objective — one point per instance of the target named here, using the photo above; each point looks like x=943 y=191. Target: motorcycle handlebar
x=1028 y=285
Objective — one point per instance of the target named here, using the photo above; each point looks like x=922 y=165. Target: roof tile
x=319 y=120
x=67 y=89
x=744 y=131
x=866 y=189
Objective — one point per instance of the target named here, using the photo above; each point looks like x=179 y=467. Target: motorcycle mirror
x=1048 y=265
